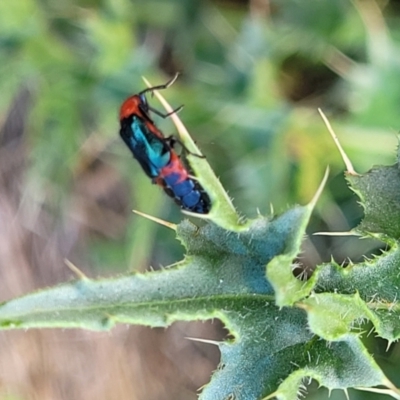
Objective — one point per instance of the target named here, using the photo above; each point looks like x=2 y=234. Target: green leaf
x=219 y=263
x=369 y=289
x=376 y=282
x=379 y=192
x=222 y=276
x=336 y=365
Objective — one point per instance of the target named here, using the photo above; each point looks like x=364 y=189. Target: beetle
x=156 y=154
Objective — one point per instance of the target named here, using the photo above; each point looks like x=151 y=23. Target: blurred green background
x=253 y=74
